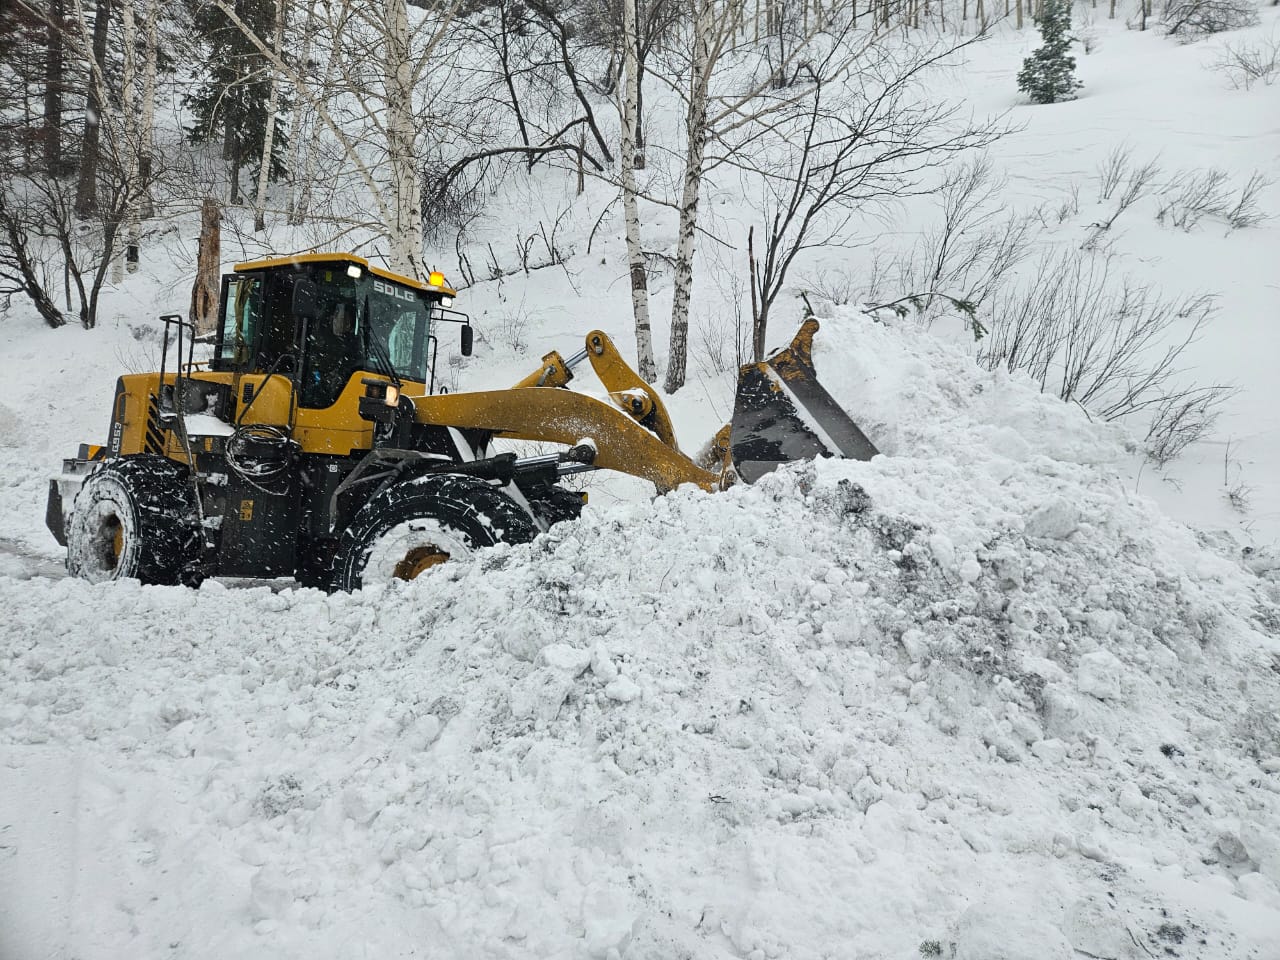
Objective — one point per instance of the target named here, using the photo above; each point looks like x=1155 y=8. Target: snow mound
x=917 y=395
x=970 y=699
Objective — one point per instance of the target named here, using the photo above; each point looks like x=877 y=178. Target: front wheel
x=133 y=517
x=420 y=523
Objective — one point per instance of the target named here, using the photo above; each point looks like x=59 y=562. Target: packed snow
x=979 y=698
x=972 y=693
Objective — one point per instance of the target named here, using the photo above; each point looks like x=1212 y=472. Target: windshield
x=398 y=323
x=364 y=324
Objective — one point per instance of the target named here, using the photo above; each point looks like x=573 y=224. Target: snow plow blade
x=782 y=413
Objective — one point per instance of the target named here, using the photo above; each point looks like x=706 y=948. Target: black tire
x=315 y=564
x=133 y=517
x=415 y=524
x=555 y=504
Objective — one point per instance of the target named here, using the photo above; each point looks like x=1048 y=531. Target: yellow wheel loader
x=313 y=444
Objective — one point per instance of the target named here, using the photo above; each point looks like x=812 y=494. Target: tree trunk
x=146 y=129
x=204 y=292
x=641 y=159
x=54 y=162
x=757 y=334
x=126 y=154
x=397 y=70
x=309 y=155
x=696 y=130
x=504 y=54
x=29 y=268
x=635 y=255
x=269 y=135
x=295 y=122
x=87 y=183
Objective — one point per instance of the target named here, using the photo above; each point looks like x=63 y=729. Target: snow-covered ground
x=975 y=691
x=977 y=698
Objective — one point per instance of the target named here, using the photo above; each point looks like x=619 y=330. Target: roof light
x=435 y=279
x=446 y=301
x=354 y=272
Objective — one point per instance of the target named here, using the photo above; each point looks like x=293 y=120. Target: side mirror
x=468 y=339
x=305 y=305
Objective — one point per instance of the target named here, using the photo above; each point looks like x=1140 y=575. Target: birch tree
x=383 y=63
x=731 y=118
x=269 y=135
x=297 y=205
x=712 y=31
x=635 y=255
x=128 y=128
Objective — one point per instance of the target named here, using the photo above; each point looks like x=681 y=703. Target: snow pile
x=972 y=699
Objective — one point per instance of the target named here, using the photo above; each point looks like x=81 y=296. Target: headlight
x=393 y=395
x=354 y=272
x=446 y=301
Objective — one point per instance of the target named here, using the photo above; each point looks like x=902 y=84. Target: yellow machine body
x=319 y=400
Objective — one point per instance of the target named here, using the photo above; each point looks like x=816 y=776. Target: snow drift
x=971 y=699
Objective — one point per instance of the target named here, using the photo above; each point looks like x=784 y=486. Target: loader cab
x=320 y=320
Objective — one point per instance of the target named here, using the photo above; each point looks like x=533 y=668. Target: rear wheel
x=416 y=525
x=133 y=517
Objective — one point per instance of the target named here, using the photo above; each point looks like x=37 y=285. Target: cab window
x=241 y=319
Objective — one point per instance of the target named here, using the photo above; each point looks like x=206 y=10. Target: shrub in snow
x=1048 y=75
x=1248 y=63
x=1194 y=195
x=1080 y=333
x=1189 y=20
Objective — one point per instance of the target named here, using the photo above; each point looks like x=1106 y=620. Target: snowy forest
x=392 y=128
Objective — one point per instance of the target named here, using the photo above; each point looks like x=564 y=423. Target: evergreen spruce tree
x=1048 y=75
x=231 y=104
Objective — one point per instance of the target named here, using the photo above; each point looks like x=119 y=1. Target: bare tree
x=562 y=33
x=40 y=228
x=26 y=266
x=860 y=140
x=635 y=255
x=383 y=64
x=146 y=130
x=204 y=292
x=964 y=259
x=55 y=66
x=97 y=103
x=713 y=29
x=1108 y=343
x=727 y=117
x=1189 y=20
x=269 y=137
